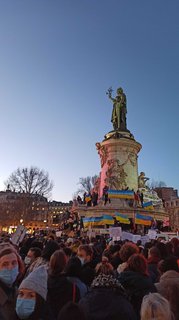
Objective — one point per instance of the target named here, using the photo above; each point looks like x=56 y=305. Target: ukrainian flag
x=98 y=221
x=120 y=194
x=91 y=222
x=148 y=205
x=122 y=218
x=106 y=219
x=144 y=220
x=87 y=198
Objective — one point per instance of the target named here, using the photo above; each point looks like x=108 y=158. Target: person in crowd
x=168 y=286
x=106 y=300
x=68 y=252
x=162 y=249
x=152 y=261
x=136 y=199
x=50 y=247
x=11 y=266
x=79 y=200
x=154 y=306
x=105 y=194
x=32 y=295
x=71 y=311
x=74 y=247
x=85 y=254
x=69 y=242
x=168 y=264
x=31 y=256
x=175 y=247
x=84 y=197
x=136 y=281
x=94 y=198
x=88 y=199
x=73 y=271
x=60 y=289
x=126 y=251
x=141 y=198
x=112 y=252
x=104 y=266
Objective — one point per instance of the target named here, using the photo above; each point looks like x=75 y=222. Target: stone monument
x=118 y=154
x=118 y=151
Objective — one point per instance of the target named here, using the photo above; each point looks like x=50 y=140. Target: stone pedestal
x=118 y=155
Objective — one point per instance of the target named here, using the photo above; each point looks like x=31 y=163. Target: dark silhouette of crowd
x=49 y=278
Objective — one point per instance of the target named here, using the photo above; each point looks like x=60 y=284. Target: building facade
x=171 y=203
x=17 y=208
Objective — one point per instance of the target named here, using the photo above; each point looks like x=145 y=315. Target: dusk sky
x=58 y=58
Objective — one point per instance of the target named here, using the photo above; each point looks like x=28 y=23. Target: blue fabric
x=25 y=307
x=9 y=276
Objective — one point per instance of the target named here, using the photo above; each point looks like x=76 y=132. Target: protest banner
x=136 y=237
x=152 y=234
x=58 y=234
x=18 y=235
x=115 y=232
x=144 y=239
x=127 y=236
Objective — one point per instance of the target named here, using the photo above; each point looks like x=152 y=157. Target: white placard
x=152 y=234
x=115 y=232
x=18 y=235
x=145 y=239
x=127 y=236
x=91 y=233
x=58 y=234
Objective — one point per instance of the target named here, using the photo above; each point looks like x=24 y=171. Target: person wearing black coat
x=106 y=300
x=85 y=255
x=136 y=281
x=60 y=290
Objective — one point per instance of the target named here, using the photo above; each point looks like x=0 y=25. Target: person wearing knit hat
x=106 y=300
x=10 y=267
x=32 y=294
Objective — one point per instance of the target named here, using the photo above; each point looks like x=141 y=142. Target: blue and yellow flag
x=122 y=218
x=107 y=219
x=121 y=194
x=144 y=220
x=98 y=221
x=148 y=205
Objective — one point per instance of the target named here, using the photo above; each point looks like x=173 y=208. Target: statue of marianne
x=119 y=109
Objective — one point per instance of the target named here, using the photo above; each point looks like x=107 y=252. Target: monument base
x=118 y=153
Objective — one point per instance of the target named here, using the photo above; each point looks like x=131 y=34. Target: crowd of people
x=49 y=278
x=90 y=199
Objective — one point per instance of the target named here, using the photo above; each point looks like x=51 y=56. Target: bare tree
x=31 y=181
x=87 y=183
x=29 y=186
x=156 y=184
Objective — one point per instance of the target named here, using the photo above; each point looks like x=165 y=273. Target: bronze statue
x=142 y=179
x=119 y=109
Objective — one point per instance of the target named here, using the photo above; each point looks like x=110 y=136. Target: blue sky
x=58 y=58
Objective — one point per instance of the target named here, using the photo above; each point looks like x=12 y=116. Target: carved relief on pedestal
x=103 y=153
x=133 y=159
x=115 y=175
x=97 y=184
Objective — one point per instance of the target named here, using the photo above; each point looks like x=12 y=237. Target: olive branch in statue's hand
x=109 y=91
